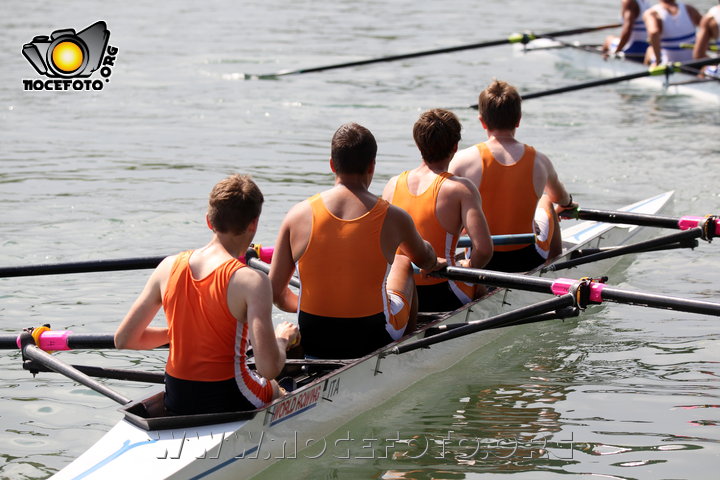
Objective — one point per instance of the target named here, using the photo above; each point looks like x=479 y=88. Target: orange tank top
x=203 y=333
x=343 y=270
x=508 y=194
x=422 y=209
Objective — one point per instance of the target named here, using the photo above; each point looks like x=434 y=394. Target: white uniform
x=677 y=29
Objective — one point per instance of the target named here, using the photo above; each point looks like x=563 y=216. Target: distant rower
x=632 y=42
x=669 y=24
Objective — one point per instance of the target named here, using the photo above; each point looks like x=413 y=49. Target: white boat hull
x=242 y=447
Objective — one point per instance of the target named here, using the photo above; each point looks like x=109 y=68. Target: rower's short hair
x=353 y=149
x=234 y=203
x=500 y=106
x=436 y=134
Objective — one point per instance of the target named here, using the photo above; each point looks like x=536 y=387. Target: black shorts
x=187 y=397
x=521 y=260
x=329 y=337
x=437 y=298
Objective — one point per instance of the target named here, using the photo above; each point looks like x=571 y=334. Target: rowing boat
x=147 y=443
x=590 y=58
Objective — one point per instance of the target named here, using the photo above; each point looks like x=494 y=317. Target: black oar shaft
x=70 y=341
x=660 y=301
x=596 y=292
x=629 y=218
x=102 y=372
x=488 y=323
x=515 y=38
x=628 y=249
x=32 y=352
x=82 y=267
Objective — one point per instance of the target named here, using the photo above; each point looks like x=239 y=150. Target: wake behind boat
x=147 y=443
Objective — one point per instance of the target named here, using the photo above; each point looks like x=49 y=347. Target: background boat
x=590 y=58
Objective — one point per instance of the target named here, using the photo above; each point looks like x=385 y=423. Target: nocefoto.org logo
x=68 y=57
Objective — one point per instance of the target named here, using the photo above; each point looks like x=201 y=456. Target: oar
x=102 y=372
x=587 y=291
x=710 y=224
x=264 y=254
x=712 y=48
x=514 y=38
x=503 y=319
x=138 y=263
x=31 y=352
x=685 y=239
x=652 y=71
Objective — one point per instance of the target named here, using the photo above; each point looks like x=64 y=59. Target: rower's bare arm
x=653 y=24
x=134 y=331
x=389 y=190
x=256 y=293
x=282 y=267
x=467 y=163
x=695 y=16
x=630 y=13
x=475 y=224
x=554 y=188
x=402 y=228
x=708 y=29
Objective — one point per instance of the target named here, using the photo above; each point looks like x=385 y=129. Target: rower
x=518 y=184
x=669 y=24
x=709 y=32
x=441 y=205
x=632 y=42
x=356 y=294
x=214 y=308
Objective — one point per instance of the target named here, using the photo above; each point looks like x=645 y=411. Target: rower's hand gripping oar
x=514 y=38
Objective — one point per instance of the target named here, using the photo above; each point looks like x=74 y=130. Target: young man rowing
x=441 y=205
x=356 y=294
x=214 y=307
x=518 y=184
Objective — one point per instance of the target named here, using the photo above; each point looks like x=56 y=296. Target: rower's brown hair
x=353 y=149
x=500 y=106
x=436 y=134
x=234 y=202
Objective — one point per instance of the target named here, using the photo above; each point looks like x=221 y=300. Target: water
x=624 y=392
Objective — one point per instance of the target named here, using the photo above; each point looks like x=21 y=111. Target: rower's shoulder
x=464 y=159
x=298 y=212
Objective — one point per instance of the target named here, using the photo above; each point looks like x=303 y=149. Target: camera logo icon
x=67 y=54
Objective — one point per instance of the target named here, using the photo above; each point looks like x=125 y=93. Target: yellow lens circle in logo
x=67 y=56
